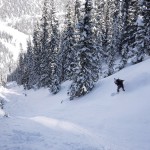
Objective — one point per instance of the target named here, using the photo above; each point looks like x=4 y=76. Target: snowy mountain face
x=11 y=42
x=17 y=19
x=12 y=39
x=22 y=14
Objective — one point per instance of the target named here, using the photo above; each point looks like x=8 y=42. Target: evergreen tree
x=113 y=52
x=25 y=74
x=87 y=56
x=68 y=41
x=45 y=40
x=54 y=49
x=20 y=67
x=29 y=66
x=146 y=19
x=139 y=48
x=37 y=54
x=107 y=26
x=129 y=13
x=99 y=29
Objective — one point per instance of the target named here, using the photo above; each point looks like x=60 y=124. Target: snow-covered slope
x=23 y=14
x=97 y=121
x=12 y=39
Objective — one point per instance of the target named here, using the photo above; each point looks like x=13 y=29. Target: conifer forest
x=96 y=39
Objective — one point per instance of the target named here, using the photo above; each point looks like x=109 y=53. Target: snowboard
x=114 y=93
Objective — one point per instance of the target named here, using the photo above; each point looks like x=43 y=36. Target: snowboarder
x=119 y=84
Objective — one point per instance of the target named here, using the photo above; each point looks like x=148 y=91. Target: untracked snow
x=98 y=121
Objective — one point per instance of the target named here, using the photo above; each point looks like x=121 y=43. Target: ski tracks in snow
x=75 y=131
x=42 y=133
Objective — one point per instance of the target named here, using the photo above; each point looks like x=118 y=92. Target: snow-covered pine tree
x=129 y=13
x=124 y=38
x=111 y=49
x=146 y=19
x=76 y=20
x=87 y=55
x=20 y=67
x=25 y=75
x=37 y=54
x=139 y=48
x=107 y=26
x=45 y=40
x=54 y=50
x=113 y=52
x=29 y=66
x=67 y=45
x=99 y=29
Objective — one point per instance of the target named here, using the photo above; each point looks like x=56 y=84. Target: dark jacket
x=118 y=82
